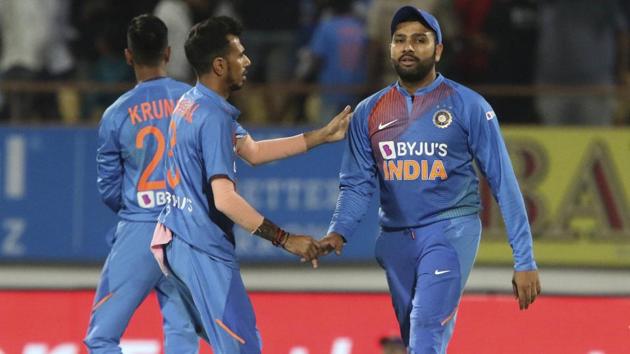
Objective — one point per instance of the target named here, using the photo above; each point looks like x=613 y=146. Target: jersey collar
x=215 y=97
x=421 y=91
x=151 y=81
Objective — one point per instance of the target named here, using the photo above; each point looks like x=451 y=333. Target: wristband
x=272 y=232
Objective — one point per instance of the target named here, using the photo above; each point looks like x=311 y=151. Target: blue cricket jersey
x=131 y=146
x=421 y=150
x=201 y=145
x=341 y=44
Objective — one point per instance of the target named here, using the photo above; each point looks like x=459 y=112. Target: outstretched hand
x=331 y=242
x=336 y=129
x=305 y=247
x=526 y=287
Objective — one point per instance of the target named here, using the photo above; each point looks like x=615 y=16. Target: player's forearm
x=236 y=208
x=230 y=203
x=112 y=199
x=109 y=171
x=351 y=207
x=111 y=192
x=264 y=151
x=514 y=214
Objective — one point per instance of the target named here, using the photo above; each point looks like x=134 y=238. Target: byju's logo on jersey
x=442 y=118
x=388 y=150
x=151 y=199
x=146 y=199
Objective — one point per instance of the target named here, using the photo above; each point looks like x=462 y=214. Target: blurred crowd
x=536 y=61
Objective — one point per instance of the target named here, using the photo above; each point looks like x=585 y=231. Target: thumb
x=338 y=249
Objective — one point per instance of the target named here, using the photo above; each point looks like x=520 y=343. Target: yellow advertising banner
x=576 y=184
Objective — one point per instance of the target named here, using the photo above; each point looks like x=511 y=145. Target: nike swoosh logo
x=439 y=272
x=383 y=126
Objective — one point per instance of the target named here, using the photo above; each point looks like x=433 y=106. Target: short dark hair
x=207 y=40
x=147 y=38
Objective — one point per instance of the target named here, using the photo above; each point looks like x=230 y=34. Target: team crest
x=442 y=118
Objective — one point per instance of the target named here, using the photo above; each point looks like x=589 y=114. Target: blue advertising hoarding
x=50 y=210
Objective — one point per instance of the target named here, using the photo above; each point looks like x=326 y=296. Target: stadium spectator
x=498 y=47
x=177 y=15
x=35 y=52
x=337 y=56
x=270 y=39
x=580 y=45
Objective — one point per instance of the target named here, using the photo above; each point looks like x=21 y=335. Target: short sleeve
x=217 y=146
x=239 y=131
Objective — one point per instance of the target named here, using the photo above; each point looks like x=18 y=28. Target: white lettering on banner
x=15 y=167
x=11 y=246
x=42 y=348
x=140 y=346
x=306 y=194
x=342 y=345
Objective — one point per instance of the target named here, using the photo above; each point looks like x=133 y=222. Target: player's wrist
x=314 y=138
x=272 y=233
x=336 y=235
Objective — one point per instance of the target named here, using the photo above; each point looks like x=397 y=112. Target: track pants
x=427 y=268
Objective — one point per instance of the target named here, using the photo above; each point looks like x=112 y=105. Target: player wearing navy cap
x=417 y=140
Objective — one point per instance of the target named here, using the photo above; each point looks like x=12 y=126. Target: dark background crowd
x=555 y=62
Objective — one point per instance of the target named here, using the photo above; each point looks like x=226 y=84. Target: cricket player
x=194 y=241
x=131 y=145
x=416 y=140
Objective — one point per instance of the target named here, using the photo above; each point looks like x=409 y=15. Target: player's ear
x=128 y=56
x=439 y=48
x=167 y=54
x=219 y=66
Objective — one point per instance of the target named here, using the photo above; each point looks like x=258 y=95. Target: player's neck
x=216 y=84
x=412 y=87
x=145 y=73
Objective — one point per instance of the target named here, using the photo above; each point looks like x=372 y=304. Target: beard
x=234 y=86
x=235 y=81
x=416 y=73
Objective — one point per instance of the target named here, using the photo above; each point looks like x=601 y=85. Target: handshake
x=303 y=246
x=309 y=249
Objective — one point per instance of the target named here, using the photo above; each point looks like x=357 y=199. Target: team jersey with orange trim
x=132 y=140
x=420 y=150
x=201 y=146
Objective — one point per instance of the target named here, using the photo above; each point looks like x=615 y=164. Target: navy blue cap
x=408 y=13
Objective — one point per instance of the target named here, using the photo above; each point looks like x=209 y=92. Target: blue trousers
x=215 y=297
x=129 y=274
x=427 y=268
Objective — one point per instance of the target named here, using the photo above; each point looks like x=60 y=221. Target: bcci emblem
x=442 y=118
